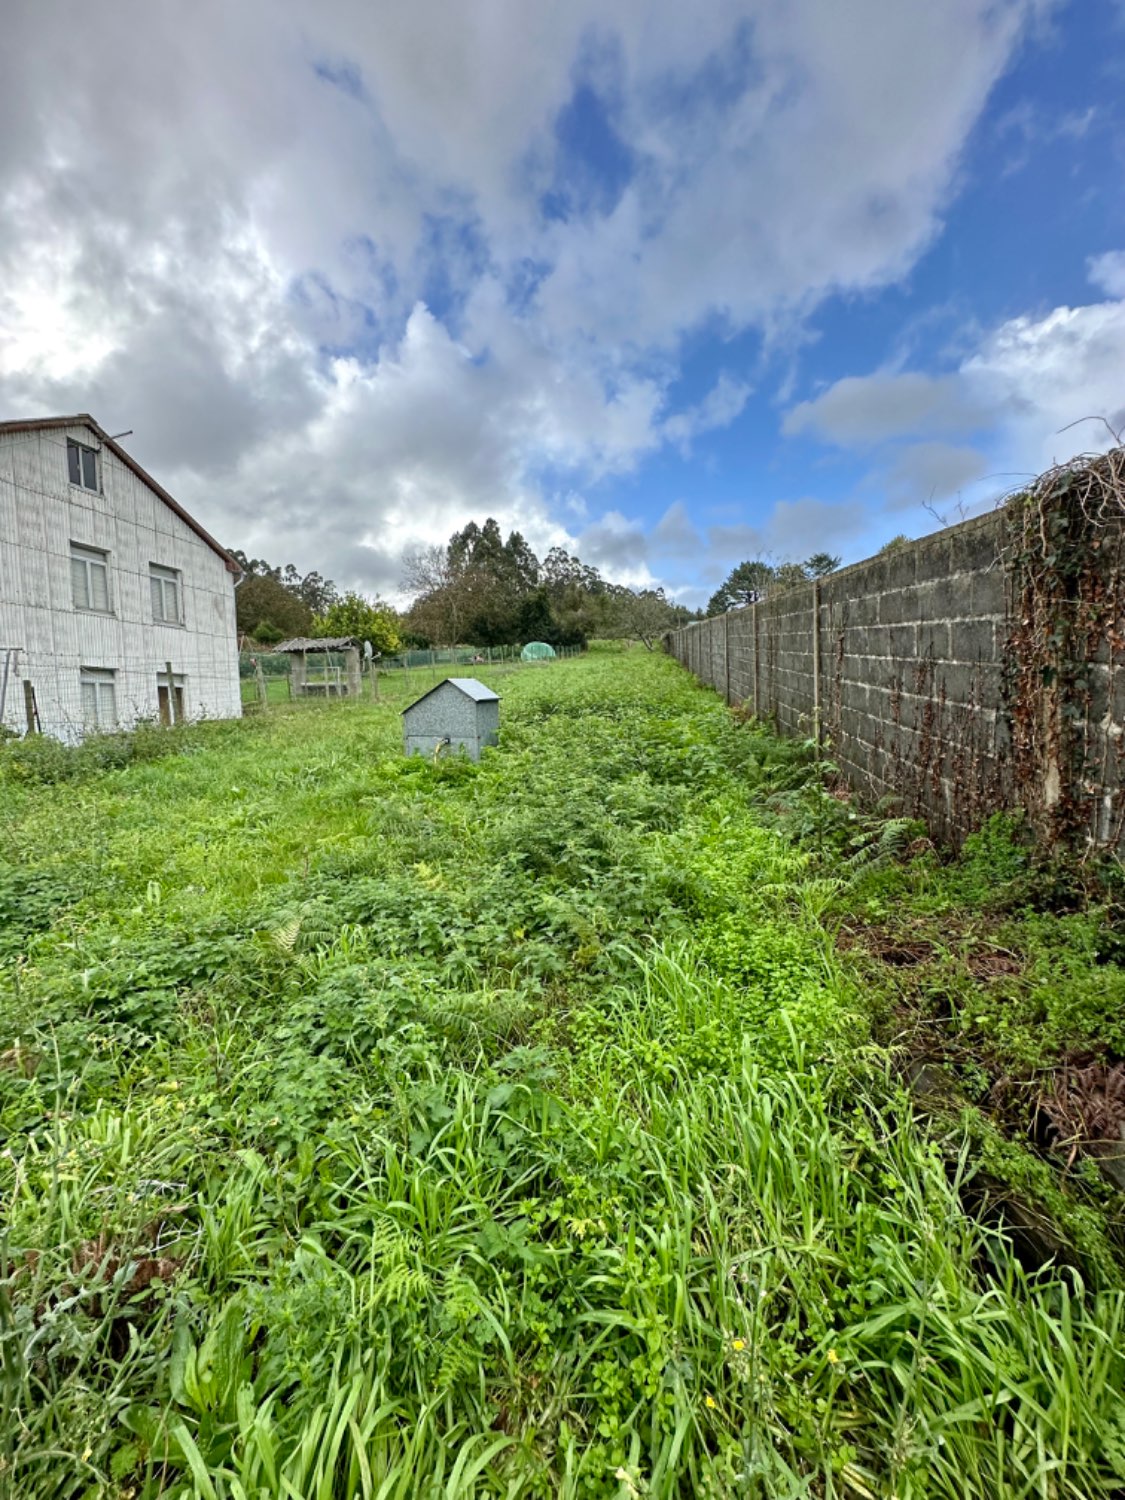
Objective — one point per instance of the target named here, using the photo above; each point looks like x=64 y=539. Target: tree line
x=490 y=591
x=483 y=589
x=478 y=589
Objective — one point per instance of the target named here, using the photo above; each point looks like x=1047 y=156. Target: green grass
x=383 y=1128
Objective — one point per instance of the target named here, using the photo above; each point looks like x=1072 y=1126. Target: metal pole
x=726 y=650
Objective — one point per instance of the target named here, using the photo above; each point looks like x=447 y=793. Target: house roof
x=467 y=685
x=83 y=419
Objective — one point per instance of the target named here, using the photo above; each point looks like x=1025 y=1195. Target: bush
x=41 y=760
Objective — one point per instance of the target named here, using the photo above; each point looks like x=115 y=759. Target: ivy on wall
x=1064 y=559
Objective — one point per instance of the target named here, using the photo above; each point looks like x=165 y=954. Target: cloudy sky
x=669 y=284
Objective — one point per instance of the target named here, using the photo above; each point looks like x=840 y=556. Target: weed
x=382 y=1128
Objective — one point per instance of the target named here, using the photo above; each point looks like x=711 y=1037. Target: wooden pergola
x=332 y=682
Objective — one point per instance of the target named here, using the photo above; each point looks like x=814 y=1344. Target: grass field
x=383 y=1128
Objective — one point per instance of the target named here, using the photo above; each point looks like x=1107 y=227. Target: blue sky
x=670 y=288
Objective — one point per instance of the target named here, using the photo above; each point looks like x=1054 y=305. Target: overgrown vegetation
x=377 y=1127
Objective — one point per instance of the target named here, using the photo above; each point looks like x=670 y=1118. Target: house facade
x=115 y=604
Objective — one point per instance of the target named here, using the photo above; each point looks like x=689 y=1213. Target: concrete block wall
x=897 y=663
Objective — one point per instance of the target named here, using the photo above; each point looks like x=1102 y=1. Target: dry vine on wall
x=1064 y=561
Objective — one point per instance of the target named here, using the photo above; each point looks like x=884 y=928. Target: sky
x=670 y=286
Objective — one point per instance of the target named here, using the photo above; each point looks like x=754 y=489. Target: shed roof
x=320 y=643
x=467 y=685
x=84 y=419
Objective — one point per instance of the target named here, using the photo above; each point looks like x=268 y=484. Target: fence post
x=754 y=607
x=260 y=676
x=30 y=711
x=816 y=662
x=726 y=652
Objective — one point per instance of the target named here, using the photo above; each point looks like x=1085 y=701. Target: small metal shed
x=460 y=715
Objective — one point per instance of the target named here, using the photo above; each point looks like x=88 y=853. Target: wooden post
x=170 y=680
x=9 y=653
x=29 y=709
x=263 y=692
x=816 y=662
x=352 y=671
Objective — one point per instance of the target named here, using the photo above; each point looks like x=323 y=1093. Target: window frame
x=83 y=450
x=99 y=679
x=90 y=557
x=162 y=575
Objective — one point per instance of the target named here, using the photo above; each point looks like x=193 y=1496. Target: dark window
x=82 y=465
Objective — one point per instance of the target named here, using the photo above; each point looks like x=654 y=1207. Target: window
x=170 y=703
x=99 y=701
x=89 y=578
x=166 y=595
x=82 y=464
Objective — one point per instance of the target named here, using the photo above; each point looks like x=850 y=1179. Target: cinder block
x=973 y=640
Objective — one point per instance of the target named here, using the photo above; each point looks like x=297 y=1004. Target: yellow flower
x=711 y=1402
x=738 y=1345
x=833 y=1357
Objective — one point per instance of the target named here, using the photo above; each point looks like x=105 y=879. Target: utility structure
x=459 y=716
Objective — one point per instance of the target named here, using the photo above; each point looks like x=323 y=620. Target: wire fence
x=268 y=678
x=55 y=694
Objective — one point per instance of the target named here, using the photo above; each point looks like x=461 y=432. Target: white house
x=115 y=605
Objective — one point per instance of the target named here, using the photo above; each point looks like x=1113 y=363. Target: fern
x=884 y=846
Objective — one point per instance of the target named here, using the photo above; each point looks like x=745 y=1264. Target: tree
x=364 y=619
x=744 y=584
x=280 y=596
x=820 y=564
x=440 y=596
x=788 y=574
x=262 y=599
x=644 y=614
x=895 y=544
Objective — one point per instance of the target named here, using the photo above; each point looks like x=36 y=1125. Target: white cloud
x=862 y=409
x=1107 y=272
x=721 y=405
x=797 y=528
x=1035 y=391
x=300 y=250
x=1046 y=374
x=927 y=472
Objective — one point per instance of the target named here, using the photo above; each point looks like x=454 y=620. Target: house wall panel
x=40 y=514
